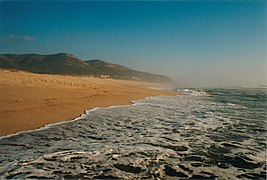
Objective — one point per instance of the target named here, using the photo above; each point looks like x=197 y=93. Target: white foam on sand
x=82 y=116
x=164 y=137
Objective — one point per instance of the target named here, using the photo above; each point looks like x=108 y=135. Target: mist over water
x=216 y=133
x=220 y=77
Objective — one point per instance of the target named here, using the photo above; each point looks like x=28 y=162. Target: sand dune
x=29 y=101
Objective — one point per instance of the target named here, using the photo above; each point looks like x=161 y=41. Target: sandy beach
x=29 y=101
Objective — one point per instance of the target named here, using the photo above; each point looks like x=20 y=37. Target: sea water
x=207 y=134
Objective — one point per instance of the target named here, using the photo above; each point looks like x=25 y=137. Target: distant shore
x=29 y=101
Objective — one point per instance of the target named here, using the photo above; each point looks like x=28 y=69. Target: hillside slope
x=63 y=63
x=121 y=72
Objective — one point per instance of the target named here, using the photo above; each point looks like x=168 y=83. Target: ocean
x=203 y=134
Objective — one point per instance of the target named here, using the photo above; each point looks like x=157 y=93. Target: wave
x=193 y=92
x=162 y=137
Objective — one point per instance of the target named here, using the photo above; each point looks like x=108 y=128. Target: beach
x=208 y=135
x=29 y=101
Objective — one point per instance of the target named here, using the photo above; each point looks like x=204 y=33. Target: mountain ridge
x=68 y=64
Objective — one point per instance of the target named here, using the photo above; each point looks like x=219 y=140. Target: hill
x=122 y=72
x=63 y=63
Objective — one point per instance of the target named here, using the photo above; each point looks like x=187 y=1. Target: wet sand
x=29 y=101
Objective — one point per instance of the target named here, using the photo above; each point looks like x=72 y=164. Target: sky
x=196 y=43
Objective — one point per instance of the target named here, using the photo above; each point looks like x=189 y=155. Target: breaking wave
x=188 y=137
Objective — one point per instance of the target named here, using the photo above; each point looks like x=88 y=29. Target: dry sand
x=29 y=101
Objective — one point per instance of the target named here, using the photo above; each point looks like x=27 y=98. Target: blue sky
x=208 y=43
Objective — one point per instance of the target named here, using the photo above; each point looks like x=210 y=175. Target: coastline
x=30 y=101
x=81 y=116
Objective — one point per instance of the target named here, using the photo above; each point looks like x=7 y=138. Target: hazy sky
x=221 y=43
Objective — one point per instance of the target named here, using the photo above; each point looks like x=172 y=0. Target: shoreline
x=81 y=116
x=31 y=101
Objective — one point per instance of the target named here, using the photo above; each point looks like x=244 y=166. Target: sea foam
x=163 y=137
